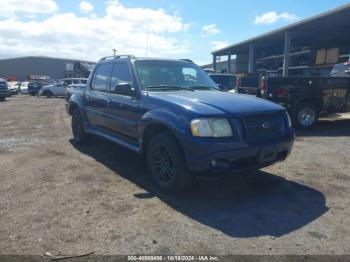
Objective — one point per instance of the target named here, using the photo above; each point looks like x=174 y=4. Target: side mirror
x=123 y=88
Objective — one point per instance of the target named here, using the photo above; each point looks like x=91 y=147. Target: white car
x=13 y=87
x=23 y=88
x=59 y=89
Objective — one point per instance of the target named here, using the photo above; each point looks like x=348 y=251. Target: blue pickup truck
x=173 y=113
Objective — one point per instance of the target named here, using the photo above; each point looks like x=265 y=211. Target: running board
x=133 y=147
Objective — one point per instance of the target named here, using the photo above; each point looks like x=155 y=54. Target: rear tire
x=2 y=99
x=79 y=134
x=167 y=165
x=305 y=115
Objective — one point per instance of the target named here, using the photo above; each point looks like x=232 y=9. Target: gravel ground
x=65 y=199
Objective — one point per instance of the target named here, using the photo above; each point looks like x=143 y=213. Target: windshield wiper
x=167 y=87
x=203 y=87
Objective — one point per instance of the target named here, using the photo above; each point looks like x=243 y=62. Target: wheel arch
x=72 y=107
x=75 y=103
x=47 y=90
x=308 y=100
x=155 y=128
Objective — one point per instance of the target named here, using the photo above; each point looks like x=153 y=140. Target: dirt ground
x=65 y=199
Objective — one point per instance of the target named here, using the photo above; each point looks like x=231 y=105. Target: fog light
x=214 y=163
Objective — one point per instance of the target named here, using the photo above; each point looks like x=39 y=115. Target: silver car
x=59 y=89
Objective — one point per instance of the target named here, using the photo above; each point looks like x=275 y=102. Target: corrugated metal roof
x=46 y=57
x=288 y=27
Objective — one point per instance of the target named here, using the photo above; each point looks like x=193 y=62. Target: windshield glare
x=155 y=74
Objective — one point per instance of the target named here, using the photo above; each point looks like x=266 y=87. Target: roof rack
x=187 y=60
x=117 y=57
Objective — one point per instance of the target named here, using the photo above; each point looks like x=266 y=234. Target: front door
x=123 y=111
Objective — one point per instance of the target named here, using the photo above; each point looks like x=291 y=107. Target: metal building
x=222 y=67
x=56 y=68
x=309 y=47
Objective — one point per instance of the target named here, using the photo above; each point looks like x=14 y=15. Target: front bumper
x=242 y=156
x=4 y=93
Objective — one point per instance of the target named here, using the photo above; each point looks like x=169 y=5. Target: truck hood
x=216 y=102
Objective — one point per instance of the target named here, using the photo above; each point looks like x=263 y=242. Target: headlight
x=289 y=120
x=211 y=127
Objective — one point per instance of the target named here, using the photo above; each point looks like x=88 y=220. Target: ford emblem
x=267 y=124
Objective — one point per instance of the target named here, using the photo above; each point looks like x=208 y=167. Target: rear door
x=123 y=114
x=97 y=96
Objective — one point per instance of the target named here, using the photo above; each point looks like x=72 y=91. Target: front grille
x=263 y=125
x=3 y=87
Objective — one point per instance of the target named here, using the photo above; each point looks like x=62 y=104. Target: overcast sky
x=161 y=28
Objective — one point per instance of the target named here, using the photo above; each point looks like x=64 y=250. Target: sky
x=192 y=29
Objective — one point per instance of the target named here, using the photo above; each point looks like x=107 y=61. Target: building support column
x=287 y=41
x=251 y=61
x=229 y=63
x=214 y=62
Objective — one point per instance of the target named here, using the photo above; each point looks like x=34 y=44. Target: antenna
x=147 y=38
x=114 y=51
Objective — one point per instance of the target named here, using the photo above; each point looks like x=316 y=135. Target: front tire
x=48 y=93
x=167 y=165
x=79 y=134
x=305 y=115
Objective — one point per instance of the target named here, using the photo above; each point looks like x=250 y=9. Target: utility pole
x=114 y=51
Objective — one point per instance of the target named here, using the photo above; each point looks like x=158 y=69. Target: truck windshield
x=174 y=75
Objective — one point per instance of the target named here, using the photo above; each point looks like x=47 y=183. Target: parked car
x=59 y=89
x=224 y=81
x=74 y=88
x=23 y=88
x=172 y=112
x=4 y=91
x=35 y=85
x=306 y=98
x=13 y=87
